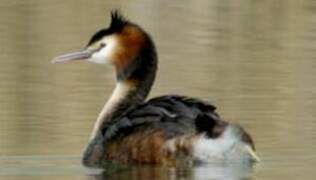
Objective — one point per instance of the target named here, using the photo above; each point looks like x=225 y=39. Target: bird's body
x=161 y=130
x=166 y=128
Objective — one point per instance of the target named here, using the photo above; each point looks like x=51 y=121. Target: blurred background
x=255 y=60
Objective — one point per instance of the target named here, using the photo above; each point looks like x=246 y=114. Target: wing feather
x=174 y=114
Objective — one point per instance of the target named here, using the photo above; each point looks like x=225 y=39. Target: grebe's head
x=120 y=44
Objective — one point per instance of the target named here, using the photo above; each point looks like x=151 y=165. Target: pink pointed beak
x=79 y=55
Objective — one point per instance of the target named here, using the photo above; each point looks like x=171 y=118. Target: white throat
x=120 y=92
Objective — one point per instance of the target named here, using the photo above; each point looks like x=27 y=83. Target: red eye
x=102 y=45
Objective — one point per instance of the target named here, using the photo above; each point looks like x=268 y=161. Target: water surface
x=255 y=60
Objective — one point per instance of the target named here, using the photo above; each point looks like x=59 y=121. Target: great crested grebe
x=161 y=130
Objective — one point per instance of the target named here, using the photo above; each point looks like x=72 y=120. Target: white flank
x=252 y=153
x=227 y=146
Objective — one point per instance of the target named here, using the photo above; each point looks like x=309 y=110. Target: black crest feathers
x=118 y=21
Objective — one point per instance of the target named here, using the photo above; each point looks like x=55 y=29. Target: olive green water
x=255 y=60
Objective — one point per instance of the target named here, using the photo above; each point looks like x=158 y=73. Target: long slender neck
x=134 y=82
x=133 y=86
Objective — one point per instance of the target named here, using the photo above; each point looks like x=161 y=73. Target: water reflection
x=219 y=171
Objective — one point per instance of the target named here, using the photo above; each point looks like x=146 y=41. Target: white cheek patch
x=106 y=54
